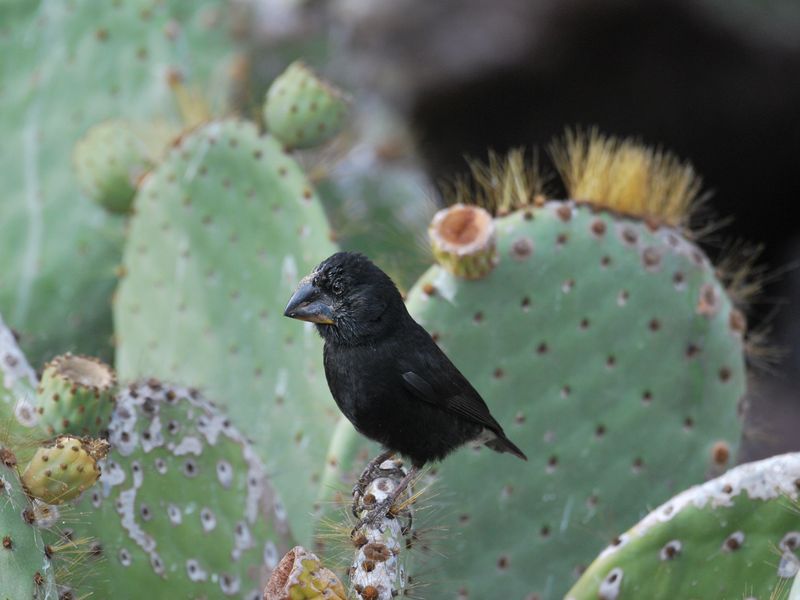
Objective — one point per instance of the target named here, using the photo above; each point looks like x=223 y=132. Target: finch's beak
x=308 y=304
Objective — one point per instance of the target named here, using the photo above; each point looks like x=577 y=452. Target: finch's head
x=348 y=298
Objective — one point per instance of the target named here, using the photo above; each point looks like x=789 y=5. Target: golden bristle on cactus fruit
x=64 y=468
x=626 y=177
x=463 y=240
x=300 y=576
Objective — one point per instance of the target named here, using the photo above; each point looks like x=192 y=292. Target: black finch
x=385 y=372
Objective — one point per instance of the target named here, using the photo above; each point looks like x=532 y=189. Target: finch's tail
x=502 y=444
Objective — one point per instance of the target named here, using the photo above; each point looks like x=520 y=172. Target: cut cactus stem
x=464 y=241
x=64 y=469
x=76 y=395
x=379 y=570
x=300 y=576
x=301 y=110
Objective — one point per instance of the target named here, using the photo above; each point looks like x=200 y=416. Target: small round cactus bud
x=300 y=575
x=63 y=469
x=76 y=395
x=463 y=240
x=301 y=110
x=112 y=158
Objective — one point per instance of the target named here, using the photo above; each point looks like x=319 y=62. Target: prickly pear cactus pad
x=224 y=227
x=65 y=66
x=75 y=395
x=25 y=570
x=736 y=536
x=184 y=506
x=301 y=110
x=614 y=358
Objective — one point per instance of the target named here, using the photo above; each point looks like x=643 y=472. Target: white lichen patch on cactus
x=186 y=504
x=742 y=526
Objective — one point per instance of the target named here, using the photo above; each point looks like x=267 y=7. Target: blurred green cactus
x=736 y=536
x=63 y=68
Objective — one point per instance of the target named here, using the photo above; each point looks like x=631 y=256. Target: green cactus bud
x=76 y=395
x=111 y=159
x=301 y=110
x=737 y=536
x=63 y=469
x=301 y=576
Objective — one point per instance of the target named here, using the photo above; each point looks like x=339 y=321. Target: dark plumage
x=385 y=373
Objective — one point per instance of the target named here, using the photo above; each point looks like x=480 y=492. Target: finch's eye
x=336 y=287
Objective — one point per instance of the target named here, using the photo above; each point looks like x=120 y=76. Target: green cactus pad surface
x=184 y=506
x=224 y=230
x=62 y=470
x=25 y=570
x=65 y=66
x=613 y=357
x=75 y=395
x=111 y=159
x=736 y=536
x=301 y=110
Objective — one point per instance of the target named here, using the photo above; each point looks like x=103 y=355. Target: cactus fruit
x=463 y=241
x=64 y=468
x=301 y=576
x=25 y=569
x=379 y=570
x=615 y=356
x=184 y=504
x=301 y=110
x=75 y=395
x=112 y=157
x=92 y=61
x=737 y=536
x=222 y=228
